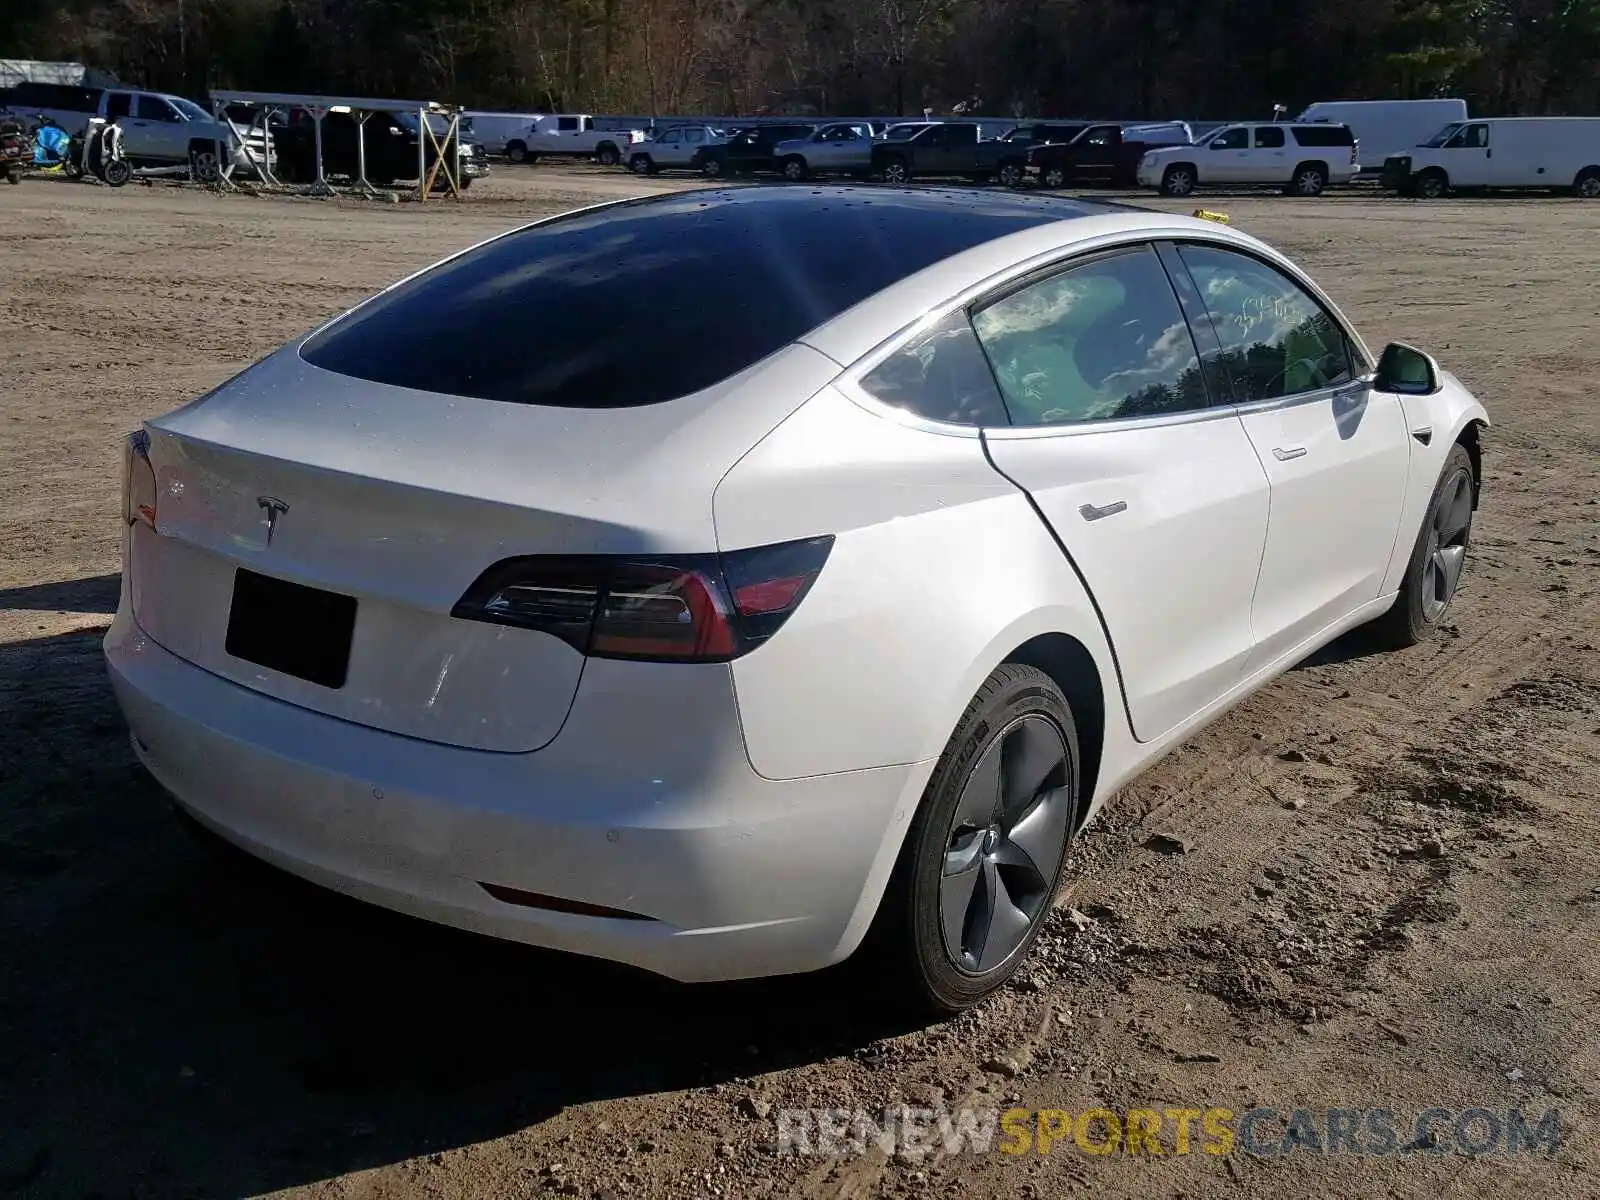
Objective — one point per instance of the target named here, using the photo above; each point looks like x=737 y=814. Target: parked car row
x=1423 y=148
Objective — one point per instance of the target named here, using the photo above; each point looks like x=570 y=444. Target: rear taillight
x=669 y=608
x=138 y=481
x=1355 y=148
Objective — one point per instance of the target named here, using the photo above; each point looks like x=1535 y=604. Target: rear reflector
x=672 y=608
x=511 y=895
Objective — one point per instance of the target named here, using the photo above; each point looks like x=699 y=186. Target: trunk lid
x=400 y=499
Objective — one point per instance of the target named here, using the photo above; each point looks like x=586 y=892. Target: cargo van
x=1386 y=127
x=1551 y=153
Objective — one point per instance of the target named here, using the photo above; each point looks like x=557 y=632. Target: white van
x=503 y=132
x=1553 y=153
x=1386 y=127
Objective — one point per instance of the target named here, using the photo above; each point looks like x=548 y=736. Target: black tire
x=1053 y=177
x=712 y=167
x=1587 y=185
x=896 y=171
x=1178 y=180
x=13 y=175
x=117 y=172
x=1011 y=174
x=1309 y=179
x=642 y=164
x=517 y=151
x=204 y=166
x=1018 y=725
x=1430 y=185
x=794 y=169
x=607 y=155
x=1422 y=603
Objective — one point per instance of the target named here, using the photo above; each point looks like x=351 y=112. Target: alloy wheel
x=1055 y=177
x=1004 y=844
x=896 y=173
x=1309 y=183
x=1449 y=526
x=1589 y=187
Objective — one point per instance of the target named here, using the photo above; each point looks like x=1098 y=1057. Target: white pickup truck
x=572 y=135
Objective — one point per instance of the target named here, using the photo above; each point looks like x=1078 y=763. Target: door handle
x=1285 y=453
x=1093 y=512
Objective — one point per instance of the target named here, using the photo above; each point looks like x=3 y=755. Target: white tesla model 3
x=719 y=581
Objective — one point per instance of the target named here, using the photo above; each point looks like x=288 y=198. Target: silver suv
x=675 y=149
x=844 y=147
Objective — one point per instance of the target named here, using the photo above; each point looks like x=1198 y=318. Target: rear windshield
x=650 y=300
x=1324 y=135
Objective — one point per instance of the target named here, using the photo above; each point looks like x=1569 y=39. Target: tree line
x=1222 y=59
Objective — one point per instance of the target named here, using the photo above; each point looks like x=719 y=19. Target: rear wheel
x=607 y=155
x=1178 y=180
x=982 y=860
x=711 y=168
x=1011 y=174
x=13 y=174
x=1437 y=559
x=1587 y=184
x=1054 y=177
x=517 y=151
x=1308 y=180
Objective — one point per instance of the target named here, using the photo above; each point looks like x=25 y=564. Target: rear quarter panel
x=940 y=569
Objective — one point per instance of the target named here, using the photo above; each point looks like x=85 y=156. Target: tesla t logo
x=274 y=508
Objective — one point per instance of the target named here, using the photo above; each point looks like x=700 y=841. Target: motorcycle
x=15 y=148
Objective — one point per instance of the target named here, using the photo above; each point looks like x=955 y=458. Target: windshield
x=188 y=108
x=1443 y=136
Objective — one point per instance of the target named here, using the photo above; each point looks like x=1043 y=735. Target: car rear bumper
x=646 y=804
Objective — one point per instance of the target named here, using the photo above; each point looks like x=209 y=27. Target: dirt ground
x=1390 y=895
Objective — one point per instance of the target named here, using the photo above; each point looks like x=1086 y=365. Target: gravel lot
x=1390 y=895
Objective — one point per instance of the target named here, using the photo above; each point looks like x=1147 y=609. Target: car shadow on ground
x=96 y=595
x=179 y=1021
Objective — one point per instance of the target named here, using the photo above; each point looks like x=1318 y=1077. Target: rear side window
x=942 y=375
x=647 y=301
x=1098 y=342
x=1324 y=135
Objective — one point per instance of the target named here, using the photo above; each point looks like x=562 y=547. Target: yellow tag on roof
x=1205 y=214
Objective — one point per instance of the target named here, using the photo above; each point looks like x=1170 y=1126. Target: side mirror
x=1407 y=371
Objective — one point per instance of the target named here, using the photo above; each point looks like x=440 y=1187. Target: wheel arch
x=1071 y=666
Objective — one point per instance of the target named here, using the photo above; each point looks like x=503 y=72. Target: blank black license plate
x=301 y=631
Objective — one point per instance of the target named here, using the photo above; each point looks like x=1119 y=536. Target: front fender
x=1447 y=416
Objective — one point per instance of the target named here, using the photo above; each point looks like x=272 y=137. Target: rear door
x=1268 y=159
x=1336 y=452
x=1156 y=496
